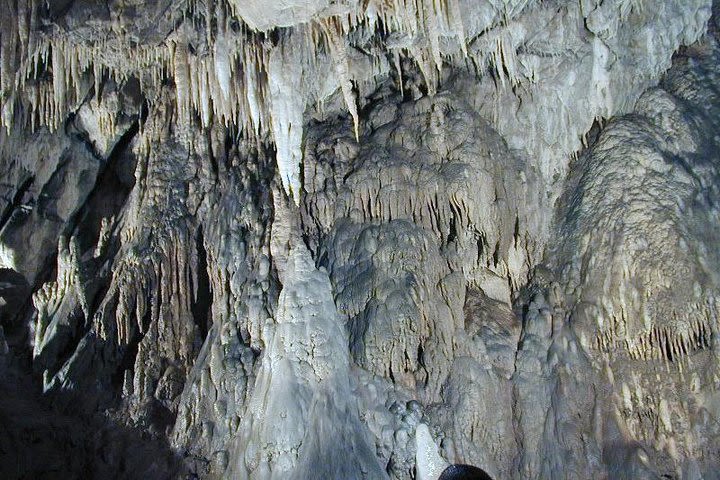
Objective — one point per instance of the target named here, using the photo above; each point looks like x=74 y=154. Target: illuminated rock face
x=359 y=239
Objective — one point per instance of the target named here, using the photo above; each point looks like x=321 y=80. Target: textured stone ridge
x=359 y=239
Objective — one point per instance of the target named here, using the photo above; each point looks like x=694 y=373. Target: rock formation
x=359 y=239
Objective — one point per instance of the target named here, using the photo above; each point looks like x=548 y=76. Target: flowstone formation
x=359 y=239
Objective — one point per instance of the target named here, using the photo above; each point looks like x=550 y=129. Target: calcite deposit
x=359 y=239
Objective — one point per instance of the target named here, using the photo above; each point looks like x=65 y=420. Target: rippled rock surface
x=402 y=239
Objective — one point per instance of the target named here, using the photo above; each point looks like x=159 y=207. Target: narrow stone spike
x=182 y=78
x=339 y=52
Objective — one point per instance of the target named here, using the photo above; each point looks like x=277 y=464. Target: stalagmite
x=207 y=274
x=429 y=463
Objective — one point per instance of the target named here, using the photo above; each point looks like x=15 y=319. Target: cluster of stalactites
x=18 y=22
x=45 y=76
x=690 y=332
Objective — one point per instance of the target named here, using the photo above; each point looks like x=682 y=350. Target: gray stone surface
x=359 y=239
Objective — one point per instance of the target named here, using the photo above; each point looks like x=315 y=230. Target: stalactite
x=430 y=17
x=287 y=108
x=413 y=17
x=340 y=54
x=252 y=93
x=59 y=84
x=662 y=343
x=7 y=63
x=182 y=79
x=223 y=71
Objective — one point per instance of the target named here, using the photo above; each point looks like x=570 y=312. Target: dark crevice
x=211 y=154
x=16 y=329
x=592 y=136
x=105 y=201
x=480 y=246
x=202 y=299
x=421 y=363
x=46 y=201
x=668 y=349
x=452 y=234
x=421 y=355
x=129 y=354
x=230 y=150
x=14 y=289
x=16 y=201
x=76 y=331
x=110 y=191
x=55 y=10
x=40 y=441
